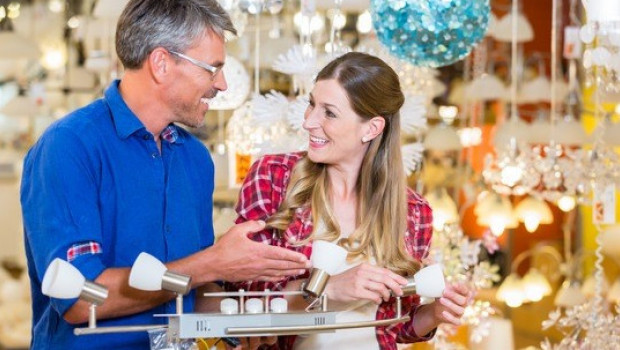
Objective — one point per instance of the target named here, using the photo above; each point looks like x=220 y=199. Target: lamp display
x=64 y=281
x=148 y=273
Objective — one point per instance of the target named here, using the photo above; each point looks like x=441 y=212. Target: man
x=117 y=177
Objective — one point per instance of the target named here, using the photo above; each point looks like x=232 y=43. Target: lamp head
x=63 y=281
x=428 y=282
x=327 y=258
x=148 y=273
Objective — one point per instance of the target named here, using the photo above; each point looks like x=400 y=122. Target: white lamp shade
x=570 y=132
x=442 y=138
x=540 y=131
x=429 y=281
x=569 y=295
x=62 y=280
x=512 y=128
x=485 y=87
x=147 y=273
x=503 y=29
x=328 y=256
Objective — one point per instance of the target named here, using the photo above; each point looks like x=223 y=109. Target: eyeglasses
x=209 y=68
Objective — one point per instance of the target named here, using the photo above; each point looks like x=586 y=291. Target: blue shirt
x=97 y=176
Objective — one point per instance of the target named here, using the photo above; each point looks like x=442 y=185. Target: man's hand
x=238 y=258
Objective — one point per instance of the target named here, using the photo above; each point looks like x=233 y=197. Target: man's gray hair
x=172 y=24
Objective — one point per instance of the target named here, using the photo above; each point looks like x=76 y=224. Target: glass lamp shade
x=328 y=256
x=147 y=273
x=62 y=280
x=533 y=211
x=496 y=212
x=429 y=281
x=503 y=29
x=511 y=291
x=442 y=138
x=569 y=295
x=535 y=284
x=485 y=87
x=444 y=208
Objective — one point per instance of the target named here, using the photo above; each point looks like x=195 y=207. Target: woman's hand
x=451 y=306
x=447 y=309
x=364 y=282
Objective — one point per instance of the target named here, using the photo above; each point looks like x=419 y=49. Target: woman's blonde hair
x=373 y=89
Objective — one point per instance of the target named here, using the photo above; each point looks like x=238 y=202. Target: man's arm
x=234 y=257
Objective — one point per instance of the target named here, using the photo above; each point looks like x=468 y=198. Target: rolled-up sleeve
x=59 y=196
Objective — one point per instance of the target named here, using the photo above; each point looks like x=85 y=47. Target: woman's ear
x=374 y=127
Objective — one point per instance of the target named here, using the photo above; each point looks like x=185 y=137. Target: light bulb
x=531 y=222
x=364 y=22
x=497 y=225
x=511 y=175
x=536 y=285
x=229 y=306
x=511 y=291
x=566 y=203
x=254 y=306
x=278 y=305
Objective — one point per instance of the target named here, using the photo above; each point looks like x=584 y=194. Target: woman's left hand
x=451 y=306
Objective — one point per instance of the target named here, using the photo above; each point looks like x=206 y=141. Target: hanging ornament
x=431 y=33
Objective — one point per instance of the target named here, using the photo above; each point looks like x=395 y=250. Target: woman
x=350 y=188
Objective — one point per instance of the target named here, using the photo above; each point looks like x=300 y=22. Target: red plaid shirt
x=262 y=192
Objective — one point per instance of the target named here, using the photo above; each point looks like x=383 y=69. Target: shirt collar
x=127 y=123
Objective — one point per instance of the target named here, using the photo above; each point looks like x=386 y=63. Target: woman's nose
x=310 y=120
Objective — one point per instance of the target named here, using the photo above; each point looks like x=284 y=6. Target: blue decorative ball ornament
x=431 y=33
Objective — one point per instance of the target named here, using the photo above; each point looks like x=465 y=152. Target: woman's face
x=335 y=130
